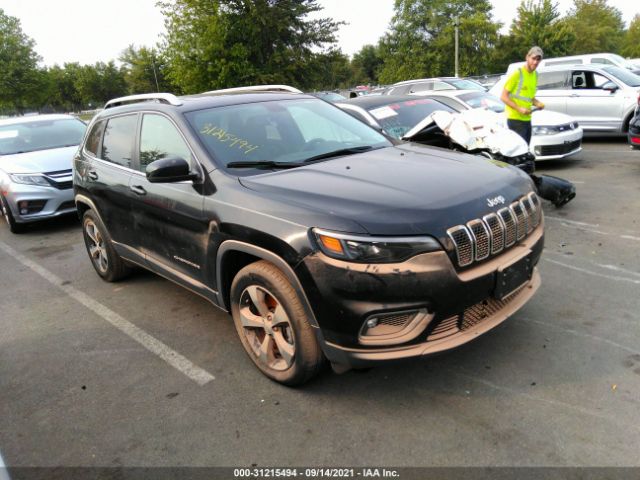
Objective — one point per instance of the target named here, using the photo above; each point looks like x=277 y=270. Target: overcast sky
x=88 y=31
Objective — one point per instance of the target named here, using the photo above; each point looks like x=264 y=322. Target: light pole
x=456 y=24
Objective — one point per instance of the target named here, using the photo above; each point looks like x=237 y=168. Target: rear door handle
x=92 y=175
x=138 y=190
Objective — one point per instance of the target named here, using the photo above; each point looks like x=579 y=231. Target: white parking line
x=590 y=272
x=173 y=358
x=4 y=475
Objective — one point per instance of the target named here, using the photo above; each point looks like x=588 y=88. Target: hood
x=475 y=129
x=404 y=190
x=547 y=118
x=39 y=161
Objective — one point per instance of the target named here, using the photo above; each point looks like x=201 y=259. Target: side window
x=552 y=80
x=93 y=139
x=579 y=80
x=597 y=80
x=442 y=86
x=117 y=145
x=421 y=87
x=159 y=139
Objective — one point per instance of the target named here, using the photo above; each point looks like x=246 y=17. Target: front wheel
x=104 y=258
x=14 y=226
x=271 y=322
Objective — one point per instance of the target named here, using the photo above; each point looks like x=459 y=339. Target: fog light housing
x=392 y=328
x=27 y=207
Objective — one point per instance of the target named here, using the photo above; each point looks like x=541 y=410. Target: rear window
x=40 y=135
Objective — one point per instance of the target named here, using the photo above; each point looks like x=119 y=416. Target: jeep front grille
x=481 y=238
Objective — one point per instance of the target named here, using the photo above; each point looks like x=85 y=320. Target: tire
x=271 y=322
x=104 y=258
x=14 y=226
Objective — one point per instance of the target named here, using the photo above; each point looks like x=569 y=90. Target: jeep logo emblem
x=492 y=202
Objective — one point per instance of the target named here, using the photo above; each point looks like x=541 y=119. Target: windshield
x=285 y=131
x=463 y=84
x=22 y=137
x=483 y=100
x=398 y=118
x=624 y=75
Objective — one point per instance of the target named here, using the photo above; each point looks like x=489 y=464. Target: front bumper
x=42 y=202
x=556 y=146
x=453 y=307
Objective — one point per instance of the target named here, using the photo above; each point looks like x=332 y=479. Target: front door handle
x=138 y=190
x=92 y=175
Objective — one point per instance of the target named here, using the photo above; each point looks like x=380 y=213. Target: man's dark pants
x=521 y=127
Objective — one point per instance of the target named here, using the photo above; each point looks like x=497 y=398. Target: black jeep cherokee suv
x=322 y=238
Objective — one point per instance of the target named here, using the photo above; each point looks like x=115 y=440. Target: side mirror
x=169 y=170
x=610 y=87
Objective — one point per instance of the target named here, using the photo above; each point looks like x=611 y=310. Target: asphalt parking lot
x=145 y=373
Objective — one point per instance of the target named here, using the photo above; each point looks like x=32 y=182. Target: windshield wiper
x=263 y=164
x=338 y=153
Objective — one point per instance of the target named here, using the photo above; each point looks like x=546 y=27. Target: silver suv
x=601 y=99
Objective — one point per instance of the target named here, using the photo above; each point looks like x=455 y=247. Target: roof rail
x=254 y=88
x=168 y=98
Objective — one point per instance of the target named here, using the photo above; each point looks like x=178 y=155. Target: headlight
x=544 y=130
x=373 y=249
x=30 y=180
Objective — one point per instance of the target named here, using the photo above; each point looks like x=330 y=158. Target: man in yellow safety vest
x=519 y=94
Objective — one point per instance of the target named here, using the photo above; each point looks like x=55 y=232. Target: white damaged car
x=555 y=135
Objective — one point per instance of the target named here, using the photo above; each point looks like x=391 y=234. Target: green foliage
x=366 y=65
x=216 y=44
x=144 y=70
x=421 y=40
x=631 y=42
x=597 y=26
x=537 y=23
x=20 y=80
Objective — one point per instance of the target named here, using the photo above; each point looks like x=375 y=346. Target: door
x=107 y=168
x=593 y=107
x=553 y=90
x=167 y=217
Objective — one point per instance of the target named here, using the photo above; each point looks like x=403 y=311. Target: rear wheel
x=14 y=226
x=271 y=322
x=104 y=258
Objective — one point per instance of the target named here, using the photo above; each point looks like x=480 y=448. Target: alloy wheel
x=267 y=328
x=96 y=247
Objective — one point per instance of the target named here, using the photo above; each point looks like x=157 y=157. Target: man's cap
x=535 y=52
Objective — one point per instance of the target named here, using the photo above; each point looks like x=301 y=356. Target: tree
x=631 y=42
x=366 y=65
x=19 y=78
x=421 y=40
x=537 y=23
x=145 y=70
x=216 y=44
x=62 y=94
x=597 y=26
